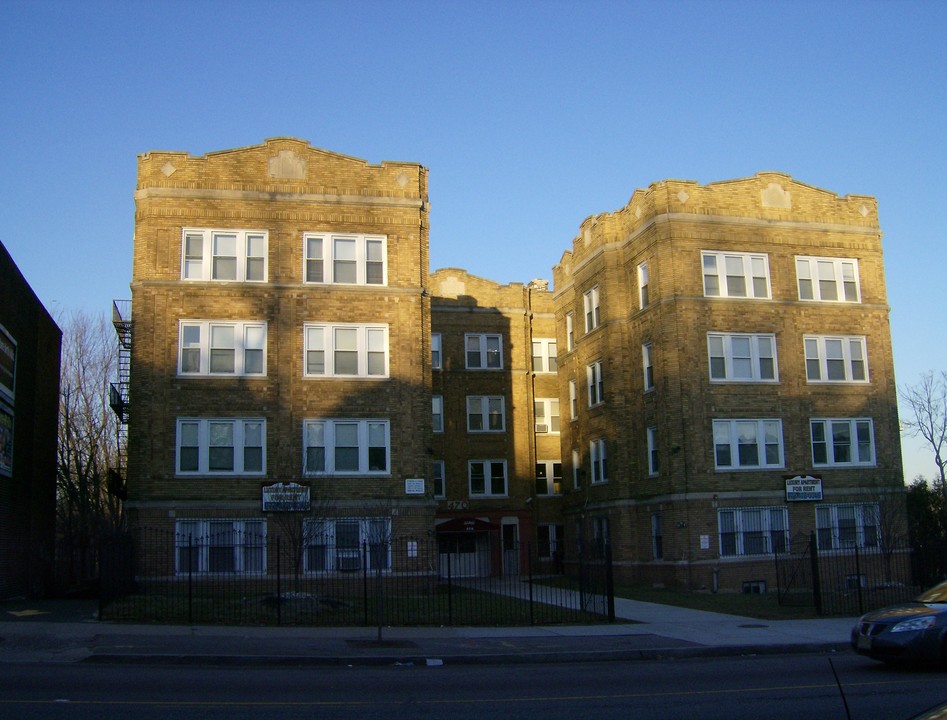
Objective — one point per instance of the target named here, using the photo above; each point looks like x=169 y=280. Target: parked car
x=938 y=712
x=915 y=630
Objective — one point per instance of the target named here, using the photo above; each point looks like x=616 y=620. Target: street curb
x=651 y=654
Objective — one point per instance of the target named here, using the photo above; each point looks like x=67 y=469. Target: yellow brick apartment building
x=709 y=377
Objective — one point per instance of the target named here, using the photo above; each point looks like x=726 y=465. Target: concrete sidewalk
x=67 y=631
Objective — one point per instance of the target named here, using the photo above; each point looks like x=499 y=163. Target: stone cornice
x=155 y=193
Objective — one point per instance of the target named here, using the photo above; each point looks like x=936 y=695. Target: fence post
x=816 y=580
x=190 y=579
x=279 y=593
x=364 y=586
x=450 y=593
x=529 y=574
x=609 y=583
x=858 y=581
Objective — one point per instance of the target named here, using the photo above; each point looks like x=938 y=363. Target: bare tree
x=926 y=403
x=89 y=443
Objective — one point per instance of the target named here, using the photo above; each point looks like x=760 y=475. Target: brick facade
x=503 y=361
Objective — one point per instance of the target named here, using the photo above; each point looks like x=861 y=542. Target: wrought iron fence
x=852 y=578
x=245 y=577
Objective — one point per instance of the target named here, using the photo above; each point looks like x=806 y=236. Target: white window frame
x=8 y=352
x=644 y=282
x=546 y=415
x=489 y=488
x=657 y=536
x=242 y=345
x=196 y=268
x=548 y=482
x=437 y=355
x=573 y=401
x=486 y=357
x=545 y=360
x=844 y=525
x=438 y=479
x=652 y=443
x=814 y=276
x=570 y=331
x=328 y=431
x=752 y=531
x=485 y=407
x=367 y=340
x=849 y=355
x=203 y=536
x=595 y=383
x=592 y=307
x=363 y=246
x=437 y=413
x=647 y=365
x=824 y=432
x=731 y=361
x=716 y=279
x=728 y=432
x=551 y=545
x=241 y=433
x=321 y=537
x=598 y=461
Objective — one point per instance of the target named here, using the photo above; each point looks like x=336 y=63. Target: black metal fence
x=244 y=578
x=853 y=579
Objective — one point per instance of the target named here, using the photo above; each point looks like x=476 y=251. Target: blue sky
x=530 y=115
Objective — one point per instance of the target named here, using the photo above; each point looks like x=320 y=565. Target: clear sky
x=530 y=115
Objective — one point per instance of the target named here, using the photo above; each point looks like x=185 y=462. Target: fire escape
x=118 y=391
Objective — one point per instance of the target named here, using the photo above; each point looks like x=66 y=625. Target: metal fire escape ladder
x=118 y=391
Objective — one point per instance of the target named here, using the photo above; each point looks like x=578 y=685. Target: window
x=598 y=461
x=828 y=279
x=344 y=350
x=7 y=364
x=345 y=259
x=484 y=352
x=753 y=531
x=544 y=356
x=342 y=544
x=595 y=384
x=346 y=446
x=437 y=409
x=236 y=255
x=647 y=361
x=576 y=470
x=437 y=472
x=657 y=536
x=549 y=540
x=220 y=546
x=847 y=526
x=221 y=446
x=842 y=441
x=573 y=401
x=485 y=413
x=652 y=450
x=643 y=285
x=436 y=359
x=748 y=444
x=546 y=411
x=742 y=358
x=548 y=477
x=835 y=359
x=736 y=275
x=6 y=440
x=570 y=331
x=221 y=348
x=590 y=300
x=487 y=478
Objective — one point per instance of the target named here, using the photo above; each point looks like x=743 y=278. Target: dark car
x=915 y=630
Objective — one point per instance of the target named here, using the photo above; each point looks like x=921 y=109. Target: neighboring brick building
x=30 y=343
x=705 y=351
x=280 y=330
x=721 y=340
x=496 y=422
